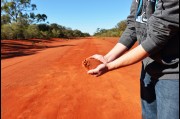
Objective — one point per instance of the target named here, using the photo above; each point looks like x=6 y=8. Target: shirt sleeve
x=162 y=26
x=128 y=37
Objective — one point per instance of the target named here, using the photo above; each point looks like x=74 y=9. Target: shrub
x=18 y=30
x=55 y=33
x=7 y=32
x=45 y=35
x=32 y=32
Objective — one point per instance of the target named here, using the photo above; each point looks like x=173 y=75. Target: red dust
x=47 y=81
x=91 y=63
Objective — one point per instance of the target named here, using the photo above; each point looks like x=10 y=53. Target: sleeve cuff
x=127 y=42
x=149 y=46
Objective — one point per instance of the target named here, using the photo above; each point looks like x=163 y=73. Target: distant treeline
x=18 y=30
x=18 y=21
x=114 y=32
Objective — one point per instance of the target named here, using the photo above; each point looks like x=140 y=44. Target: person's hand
x=99 y=70
x=100 y=58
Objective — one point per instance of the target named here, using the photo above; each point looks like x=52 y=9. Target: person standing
x=155 y=25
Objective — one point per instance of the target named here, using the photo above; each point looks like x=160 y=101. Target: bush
x=12 y=31
x=18 y=30
x=114 y=32
x=21 y=30
x=45 y=35
x=44 y=27
x=7 y=32
x=55 y=33
x=32 y=32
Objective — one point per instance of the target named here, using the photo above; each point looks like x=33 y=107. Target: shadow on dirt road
x=16 y=48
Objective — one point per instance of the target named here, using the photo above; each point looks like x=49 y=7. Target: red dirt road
x=52 y=84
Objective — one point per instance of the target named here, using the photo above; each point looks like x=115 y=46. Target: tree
x=21 y=9
x=37 y=18
x=43 y=27
x=77 y=33
x=122 y=25
x=32 y=32
x=113 y=32
x=5 y=19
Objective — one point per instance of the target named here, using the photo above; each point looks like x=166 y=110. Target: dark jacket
x=156 y=28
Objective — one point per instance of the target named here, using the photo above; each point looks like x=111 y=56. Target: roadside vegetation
x=18 y=21
x=114 y=32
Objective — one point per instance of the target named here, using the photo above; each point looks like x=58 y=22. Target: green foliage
x=32 y=32
x=5 y=19
x=18 y=30
x=12 y=31
x=43 y=27
x=18 y=9
x=114 y=32
x=41 y=17
x=18 y=21
x=43 y=31
x=7 y=32
x=55 y=33
x=122 y=25
x=45 y=35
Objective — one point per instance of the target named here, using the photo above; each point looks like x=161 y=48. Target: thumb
x=90 y=72
x=93 y=71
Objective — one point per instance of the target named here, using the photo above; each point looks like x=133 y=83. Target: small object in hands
x=91 y=63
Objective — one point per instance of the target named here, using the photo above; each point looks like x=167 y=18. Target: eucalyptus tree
x=18 y=10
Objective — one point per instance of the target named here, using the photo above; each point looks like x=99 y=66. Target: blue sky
x=85 y=15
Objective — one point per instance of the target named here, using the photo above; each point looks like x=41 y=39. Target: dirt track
x=52 y=84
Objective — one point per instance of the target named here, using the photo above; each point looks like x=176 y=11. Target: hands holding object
x=95 y=65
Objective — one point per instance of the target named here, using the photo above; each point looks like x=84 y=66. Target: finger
x=96 y=57
x=100 y=58
x=92 y=72
x=97 y=75
x=93 y=56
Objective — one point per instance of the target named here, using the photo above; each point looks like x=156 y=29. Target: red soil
x=49 y=82
x=90 y=63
